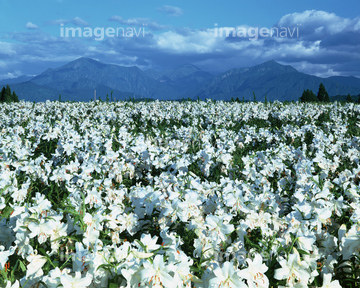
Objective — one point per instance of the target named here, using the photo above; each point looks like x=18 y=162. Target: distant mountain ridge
x=276 y=81
x=349 y=81
x=78 y=79
x=20 y=79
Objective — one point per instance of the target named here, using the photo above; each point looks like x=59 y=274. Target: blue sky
x=322 y=37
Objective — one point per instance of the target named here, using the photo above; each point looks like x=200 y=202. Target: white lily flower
x=77 y=281
x=158 y=272
x=226 y=276
x=255 y=272
x=4 y=256
x=15 y=285
x=35 y=265
x=327 y=283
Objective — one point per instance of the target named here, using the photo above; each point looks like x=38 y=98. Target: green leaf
x=7 y=212
x=3 y=273
x=47 y=257
x=104 y=266
x=141 y=244
x=34 y=220
x=6 y=186
x=22 y=266
x=303 y=252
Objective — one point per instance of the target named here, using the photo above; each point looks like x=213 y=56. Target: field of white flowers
x=169 y=194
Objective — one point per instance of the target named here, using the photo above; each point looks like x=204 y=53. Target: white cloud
x=357 y=24
x=316 y=22
x=170 y=10
x=77 y=21
x=139 y=22
x=194 y=42
x=31 y=26
x=318 y=45
x=10 y=75
x=7 y=48
x=320 y=70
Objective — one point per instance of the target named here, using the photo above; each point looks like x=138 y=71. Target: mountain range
x=78 y=79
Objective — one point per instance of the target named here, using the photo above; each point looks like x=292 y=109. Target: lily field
x=179 y=194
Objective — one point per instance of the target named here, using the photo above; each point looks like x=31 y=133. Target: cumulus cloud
x=326 y=45
x=319 y=38
x=320 y=70
x=197 y=42
x=31 y=26
x=77 y=21
x=170 y=10
x=7 y=49
x=315 y=24
x=10 y=75
x=139 y=22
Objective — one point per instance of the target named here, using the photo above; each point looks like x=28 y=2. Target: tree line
x=6 y=96
x=322 y=96
x=307 y=96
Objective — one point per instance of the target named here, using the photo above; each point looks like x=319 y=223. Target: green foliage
x=2 y=94
x=323 y=118
x=252 y=239
x=327 y=98
x=46 y=147
x=14 y=97
x=308 y=96
x=188 y=237
x=322 y=95
x=352 y=128
x=349 y=99
x=348 y=272
x=6 y=96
